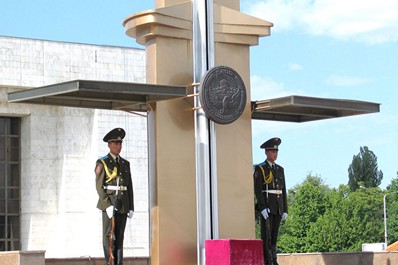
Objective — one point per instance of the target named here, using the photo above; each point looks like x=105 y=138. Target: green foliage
x=258 y=229
x=334 y=220
x=363 y=170
x=341 y=219
x=328 y=230
x=392 y=210
x=364 y=218
x=307 y=202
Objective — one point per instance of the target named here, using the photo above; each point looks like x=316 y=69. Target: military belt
x=273 y=191
x=112 y=187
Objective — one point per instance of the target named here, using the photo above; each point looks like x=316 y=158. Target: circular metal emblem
x=222 y=94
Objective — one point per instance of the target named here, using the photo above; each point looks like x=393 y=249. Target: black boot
x=274 y=256
x=268 y=261
x=119 y=254
x=106 y=254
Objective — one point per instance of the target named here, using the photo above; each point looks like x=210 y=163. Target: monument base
x=234 y=252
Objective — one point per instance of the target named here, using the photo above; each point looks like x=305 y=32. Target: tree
x=392 y=210
x=306 y=203
x=352 y=219
x=330 y=232
x=365 y=218
x=332 y=220
x=364 y=171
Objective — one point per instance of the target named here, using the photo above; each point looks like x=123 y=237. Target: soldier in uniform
x=270 y=191
x=115 y=190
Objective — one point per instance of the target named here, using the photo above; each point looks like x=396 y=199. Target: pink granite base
x=234 y=252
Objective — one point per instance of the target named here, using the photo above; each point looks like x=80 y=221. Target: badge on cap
x=115 y=135
x=271 y=144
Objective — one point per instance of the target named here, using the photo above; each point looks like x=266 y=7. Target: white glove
x=284 y=216
x=130 y=214
x=109 y=211
x=265 y=213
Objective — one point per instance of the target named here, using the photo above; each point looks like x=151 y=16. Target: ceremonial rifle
x=268 y=241
x=268 y=222
x=112 y=232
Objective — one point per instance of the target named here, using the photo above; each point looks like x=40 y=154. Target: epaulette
x=257 y=165
x=267 y=178
x=260 y=164
x=103 y=158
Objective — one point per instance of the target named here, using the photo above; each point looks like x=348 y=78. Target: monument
x=200 y=171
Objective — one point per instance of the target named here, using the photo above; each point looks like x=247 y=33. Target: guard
x=116 y=199
x=270 y=191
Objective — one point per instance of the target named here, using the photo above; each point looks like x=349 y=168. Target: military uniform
x=115 y=188
x=270 y=192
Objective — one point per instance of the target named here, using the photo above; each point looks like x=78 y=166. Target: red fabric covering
x=234 y=252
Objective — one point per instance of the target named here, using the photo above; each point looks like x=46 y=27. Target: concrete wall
x=59 y=145
x=349 y=258
x=353 y=258
x=32 y=63
x=95 y=261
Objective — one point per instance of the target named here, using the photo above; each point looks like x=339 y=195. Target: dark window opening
x=10 y=172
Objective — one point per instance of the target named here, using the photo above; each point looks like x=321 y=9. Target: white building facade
x=48 y=153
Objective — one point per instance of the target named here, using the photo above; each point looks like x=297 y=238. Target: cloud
x=266 y=88
x=347 y=81
x=295 y=66
x=367 y=21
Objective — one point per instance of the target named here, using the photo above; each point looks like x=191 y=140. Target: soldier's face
x=115 y=147
x=272 y=155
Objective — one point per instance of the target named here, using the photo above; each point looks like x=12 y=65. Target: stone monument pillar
x=166 y=33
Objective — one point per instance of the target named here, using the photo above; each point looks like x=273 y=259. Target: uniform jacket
x=107 y=197
x=277 y=203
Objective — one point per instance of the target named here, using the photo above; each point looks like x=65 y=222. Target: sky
x=340 y=49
